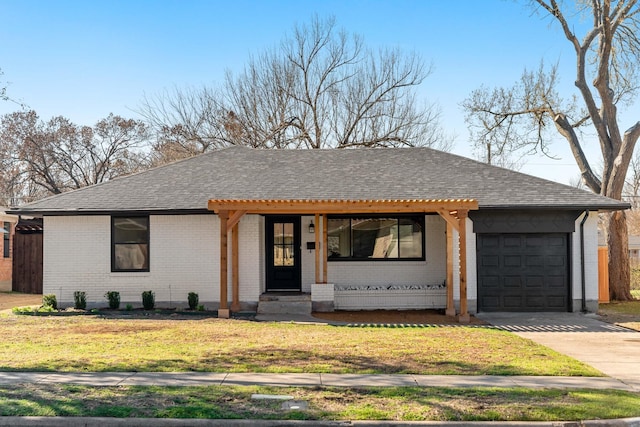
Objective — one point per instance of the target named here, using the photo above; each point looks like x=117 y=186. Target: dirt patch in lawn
x=421 y=317
x=8 y=300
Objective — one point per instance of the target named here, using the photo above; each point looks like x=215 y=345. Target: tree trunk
x=619 y=273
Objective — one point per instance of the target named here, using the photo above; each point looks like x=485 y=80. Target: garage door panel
x=491 y=302
x=511 y=281
x=558 y=302
x=557 y=242
x=491 y=281
x=512 y=241
x=490 y=242
x=490 y=261
x=559 y=282
x=556 y=261
x=512 y=260
x=534 y=282
x=534 y=241
x=534 y=261
x=512 y=301
x=523 y=272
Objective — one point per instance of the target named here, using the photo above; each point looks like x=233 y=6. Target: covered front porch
x=453 y=211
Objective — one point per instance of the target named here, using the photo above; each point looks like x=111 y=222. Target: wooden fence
x=603 y=274
x=27 y=262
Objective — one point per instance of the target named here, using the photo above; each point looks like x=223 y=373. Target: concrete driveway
x=613 y=350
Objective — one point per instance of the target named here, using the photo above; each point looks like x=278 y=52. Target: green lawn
x=326 y=403
x=88 y=343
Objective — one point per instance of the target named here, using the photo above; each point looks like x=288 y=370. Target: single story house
x=350 y=229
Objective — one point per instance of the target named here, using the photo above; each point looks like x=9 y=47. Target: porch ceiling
x=305 y=206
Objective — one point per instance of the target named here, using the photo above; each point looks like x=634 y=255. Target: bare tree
x=606 y=76
x=320 y=88
x=186 y=123
x=41 y=158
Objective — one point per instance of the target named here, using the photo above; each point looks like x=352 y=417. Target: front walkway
x=611 y=349
x=304 y=380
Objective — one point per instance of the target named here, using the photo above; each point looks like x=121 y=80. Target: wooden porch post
x=462 y=220
x=325 y=253
x=451 y=309
x=318 y=248
x=235 y=270
x=223 y=311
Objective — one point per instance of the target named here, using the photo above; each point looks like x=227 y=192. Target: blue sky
x=86 y=59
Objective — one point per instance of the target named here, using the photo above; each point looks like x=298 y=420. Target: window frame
x=420 y=217
x=114 y=243
x=6 y=241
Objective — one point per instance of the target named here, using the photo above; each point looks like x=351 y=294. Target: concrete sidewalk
x=306 y=380
x=611 y=349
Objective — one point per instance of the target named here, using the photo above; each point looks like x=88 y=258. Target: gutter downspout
x=582 y=278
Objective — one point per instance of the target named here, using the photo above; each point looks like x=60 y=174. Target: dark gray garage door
x=523 y=272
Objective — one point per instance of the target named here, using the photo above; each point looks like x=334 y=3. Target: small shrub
x=80 y=300
x=24 y=310
x=200 y=307
x=128 y=307
x=148 y=300
x=114 y=299
x=50 y=300
x=193 y=300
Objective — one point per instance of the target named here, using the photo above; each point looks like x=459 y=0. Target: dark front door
x=283 y=253
x=523 y=272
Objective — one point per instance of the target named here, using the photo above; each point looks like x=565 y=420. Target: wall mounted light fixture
x=312 y=228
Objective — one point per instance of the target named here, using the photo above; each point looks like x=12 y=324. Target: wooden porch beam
x=235 y=269
x=223 y=311
x=450 y=218
x=234 y=218
x=340 y=206
x=451 y=309
x=318 y=247
x=325 y=252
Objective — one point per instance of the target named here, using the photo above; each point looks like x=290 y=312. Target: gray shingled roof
x=393 y=174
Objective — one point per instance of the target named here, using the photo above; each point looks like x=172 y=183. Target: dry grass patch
x=215 y=345
x=394 y=403
x=626 y=314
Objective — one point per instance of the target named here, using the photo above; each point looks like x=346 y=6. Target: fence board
x=603 y=275
x=27 y=263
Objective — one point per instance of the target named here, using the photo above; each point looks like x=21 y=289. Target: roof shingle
x=388 y=174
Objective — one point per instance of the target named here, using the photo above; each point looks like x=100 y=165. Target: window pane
x=339 y=238
x=288 y=233
x=288 y=255
x=283 y=244
x=131 y=257
x=130 y=240
x=410 y=238
x=130 y=230
x=278 y=255
x=7 y=236
x=375 y=237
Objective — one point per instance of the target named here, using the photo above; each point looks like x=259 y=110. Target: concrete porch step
x=284 y=303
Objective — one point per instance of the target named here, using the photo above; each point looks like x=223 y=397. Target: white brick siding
x=184 y=257
x=429 y=272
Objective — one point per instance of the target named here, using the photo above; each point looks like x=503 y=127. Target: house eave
x=98 y=212
x=567 y=207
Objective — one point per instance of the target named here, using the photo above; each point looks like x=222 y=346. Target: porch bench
x=390 y=297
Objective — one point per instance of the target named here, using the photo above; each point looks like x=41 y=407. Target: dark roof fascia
x=42 y=213
x=595 y=207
